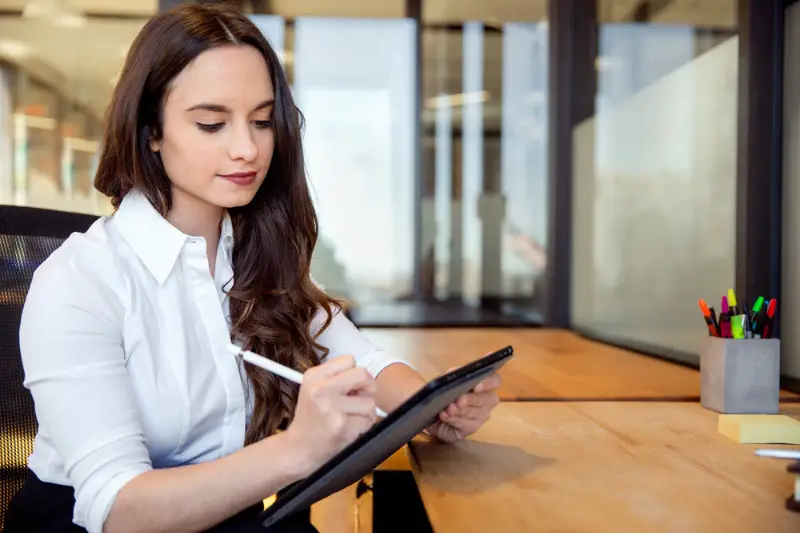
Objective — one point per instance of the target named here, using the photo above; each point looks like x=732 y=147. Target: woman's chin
x=239 y=198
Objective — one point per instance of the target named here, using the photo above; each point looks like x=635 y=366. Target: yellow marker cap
x=731 y=298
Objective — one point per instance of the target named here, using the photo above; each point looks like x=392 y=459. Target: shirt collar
x=226 y=237
x=154 y=240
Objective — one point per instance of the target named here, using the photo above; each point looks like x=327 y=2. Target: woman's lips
x=240 y=178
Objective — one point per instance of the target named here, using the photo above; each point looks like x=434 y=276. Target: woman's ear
x=153 y=137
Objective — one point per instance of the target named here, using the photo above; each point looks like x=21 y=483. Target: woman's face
x=217 y=138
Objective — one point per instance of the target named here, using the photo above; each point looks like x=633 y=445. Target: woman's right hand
x=336 y=404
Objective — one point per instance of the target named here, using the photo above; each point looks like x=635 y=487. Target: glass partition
x=464 y=227
x=354 y=82
x=655 y=177
x=789 y=304
x=484 y=204
x=53 y=100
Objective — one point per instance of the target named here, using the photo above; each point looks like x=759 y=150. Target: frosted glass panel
x=789 y=305
x=655 y=183
x=354 y=82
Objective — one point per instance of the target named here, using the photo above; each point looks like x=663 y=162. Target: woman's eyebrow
x=218 y=108
x=215 y=108
x=265 y=103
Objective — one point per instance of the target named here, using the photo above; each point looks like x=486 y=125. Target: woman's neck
x=197 y=218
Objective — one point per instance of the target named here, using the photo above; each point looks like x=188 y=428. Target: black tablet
x=387 y=436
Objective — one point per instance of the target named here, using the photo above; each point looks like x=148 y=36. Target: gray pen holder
x=740 y=375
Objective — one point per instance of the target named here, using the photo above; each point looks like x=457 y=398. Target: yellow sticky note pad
x=760 y=429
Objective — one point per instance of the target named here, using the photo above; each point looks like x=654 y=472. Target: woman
x=146 y=423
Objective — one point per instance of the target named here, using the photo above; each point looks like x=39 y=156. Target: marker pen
x=762 y=318
x=724 y=319
x=734 y=308
x=756 y=316
x=737 y=332
x=712 y=327
x=748 y=321
x=739 y=326
x=714 y=320
x=768 y=323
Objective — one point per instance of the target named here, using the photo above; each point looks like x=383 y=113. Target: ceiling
x=718 y=13
x=84 y=61
x=84 y=68
x=142 y=8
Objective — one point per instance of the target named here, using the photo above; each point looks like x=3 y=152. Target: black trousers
x=41 y=507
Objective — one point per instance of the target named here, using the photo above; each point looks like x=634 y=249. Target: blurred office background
x=429 y=146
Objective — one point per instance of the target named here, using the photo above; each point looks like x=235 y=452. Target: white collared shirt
x=123 y=341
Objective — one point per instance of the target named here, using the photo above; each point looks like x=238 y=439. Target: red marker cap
x=771 y=309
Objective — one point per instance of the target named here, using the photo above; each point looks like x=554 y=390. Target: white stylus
x=276 y=368
x=779 y=453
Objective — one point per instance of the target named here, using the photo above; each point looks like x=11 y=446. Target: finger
x=489 y=384
x=333 y=366
x=484 y=399
x=478 y=407
x=464 y=426
x=358 y=425
x=353 y=380
x=444 y=432
x=475 y=399
x=356 y=405
x=463 y=401
x=451 y=409
x=463 y=423
x=466 y=413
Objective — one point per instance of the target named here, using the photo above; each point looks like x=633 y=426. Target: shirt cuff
x=377 y=362
x=94 y=516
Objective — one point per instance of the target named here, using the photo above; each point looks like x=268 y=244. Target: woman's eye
x=263 y=123
x=210 y=127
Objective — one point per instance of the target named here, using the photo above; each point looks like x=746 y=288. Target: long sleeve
x=72 y=353
x=342 y=337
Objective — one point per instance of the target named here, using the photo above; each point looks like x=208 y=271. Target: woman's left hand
x=468 y=413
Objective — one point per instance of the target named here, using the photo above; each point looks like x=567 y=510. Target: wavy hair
x=273 y=299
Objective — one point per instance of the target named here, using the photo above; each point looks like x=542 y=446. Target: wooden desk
x=548 y=364
x=601 y=467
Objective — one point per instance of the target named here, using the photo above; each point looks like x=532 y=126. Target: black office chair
x=27 y=237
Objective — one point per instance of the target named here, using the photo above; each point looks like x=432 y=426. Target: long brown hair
x=273 y=299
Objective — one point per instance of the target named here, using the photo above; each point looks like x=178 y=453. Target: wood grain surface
x=602 y=467
x=548 y=364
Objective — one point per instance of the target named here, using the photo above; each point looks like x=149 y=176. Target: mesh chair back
x=27 y=237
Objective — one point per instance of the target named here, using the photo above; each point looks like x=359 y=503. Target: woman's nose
x=243 y=145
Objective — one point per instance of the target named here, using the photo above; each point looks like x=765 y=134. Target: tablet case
x=387 y=436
